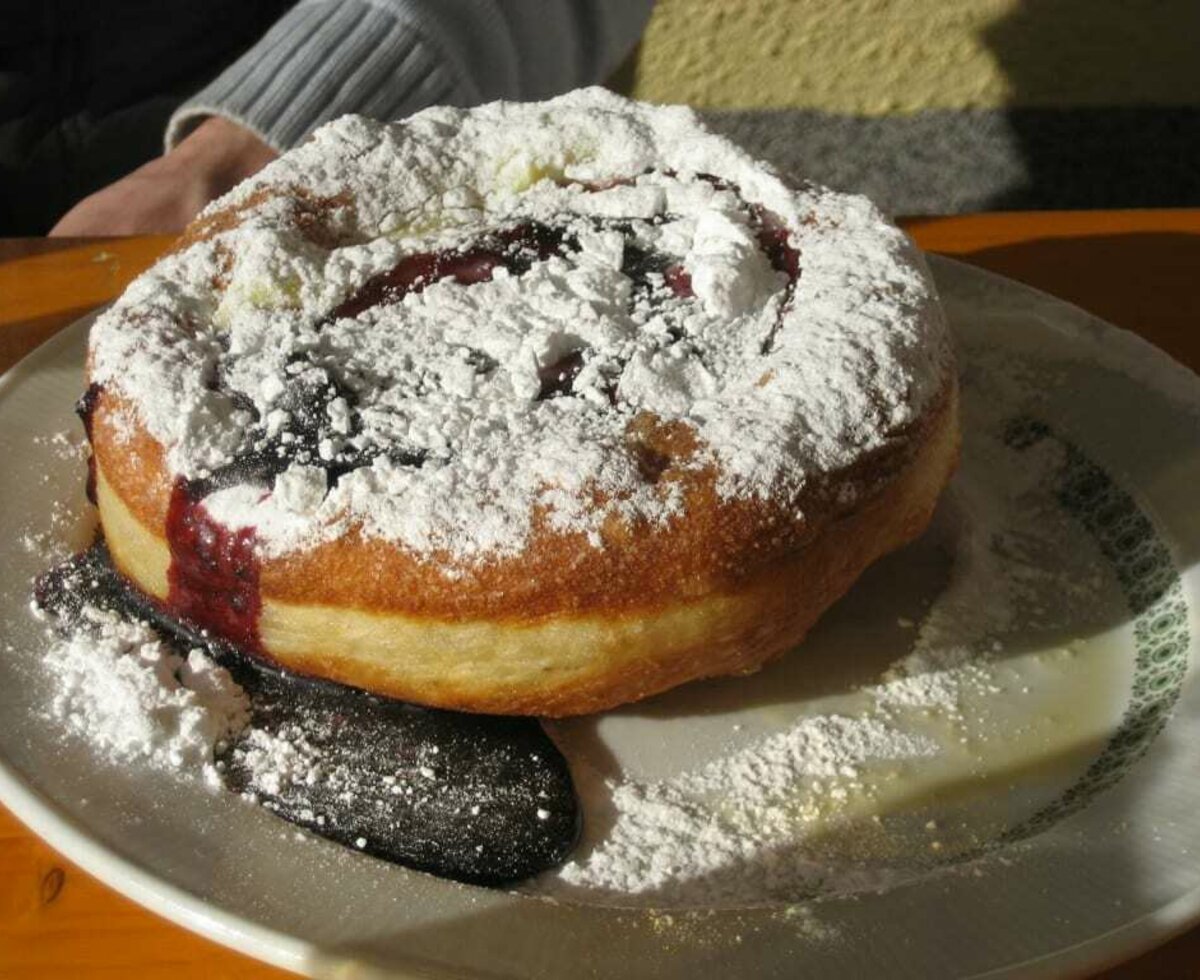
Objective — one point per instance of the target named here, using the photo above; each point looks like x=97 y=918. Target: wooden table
x=1139 y=269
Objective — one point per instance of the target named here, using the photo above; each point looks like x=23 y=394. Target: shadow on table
x=1103 y=106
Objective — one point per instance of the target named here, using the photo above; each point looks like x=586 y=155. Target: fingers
x=164 y=195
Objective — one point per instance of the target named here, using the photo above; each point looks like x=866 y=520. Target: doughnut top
x=450 y=330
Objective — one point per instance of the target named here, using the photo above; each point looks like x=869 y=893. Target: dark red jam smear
x=213 y=574
x=214 y=571
x=640 y=264
x=558 y=377
x=514 y=249
x=484 y=799
x=85 y=408
x=770 y=230
x=517 y=249
x=773 y=240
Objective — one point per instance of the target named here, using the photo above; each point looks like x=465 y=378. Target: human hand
x=162 y=196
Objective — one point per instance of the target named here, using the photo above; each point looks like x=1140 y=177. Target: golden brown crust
x=133 y=461
x=721 y=543
x=548 y=633
x=313 y=216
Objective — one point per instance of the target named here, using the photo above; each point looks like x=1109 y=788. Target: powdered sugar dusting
x=279 y=762
x=746 y=828
x=433 y=410
x=135 y=699
x=118 y=684
x=728 y=833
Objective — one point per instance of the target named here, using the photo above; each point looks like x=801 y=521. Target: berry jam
x=772 y=238
x=679 y=281
x=641 y=264
x=782 y=256
x=213 y=576
x=85 y=408
x=558 y=378
x=515 y=249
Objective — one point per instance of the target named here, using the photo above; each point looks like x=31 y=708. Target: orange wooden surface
x=1139 y=269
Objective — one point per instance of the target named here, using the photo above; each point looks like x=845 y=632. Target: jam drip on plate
x=213 y=575
x=473 y=798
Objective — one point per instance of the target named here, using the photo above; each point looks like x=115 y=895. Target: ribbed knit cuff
x=322 y=59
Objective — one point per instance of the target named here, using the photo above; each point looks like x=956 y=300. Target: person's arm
x=162 y=196
x=389 y=58
x=382 y=58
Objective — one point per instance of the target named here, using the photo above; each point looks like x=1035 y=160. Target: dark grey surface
x=947 y=161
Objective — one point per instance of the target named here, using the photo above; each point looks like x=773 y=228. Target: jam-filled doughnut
x=529 y=408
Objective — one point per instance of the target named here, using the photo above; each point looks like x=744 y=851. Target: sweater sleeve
x=389 y=58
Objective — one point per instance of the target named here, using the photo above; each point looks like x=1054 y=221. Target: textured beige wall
x=870 y=57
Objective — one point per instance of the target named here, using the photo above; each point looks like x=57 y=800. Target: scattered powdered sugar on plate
x=728 y=834
x=136 y=700
x=118 y=684
x=279 y=761
x=58 y=537
x=63 y=445
x=745 y=829
x=1012 y=545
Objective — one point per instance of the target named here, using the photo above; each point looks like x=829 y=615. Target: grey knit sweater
x=389 y=58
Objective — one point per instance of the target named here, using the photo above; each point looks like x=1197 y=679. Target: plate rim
x=192 y=911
